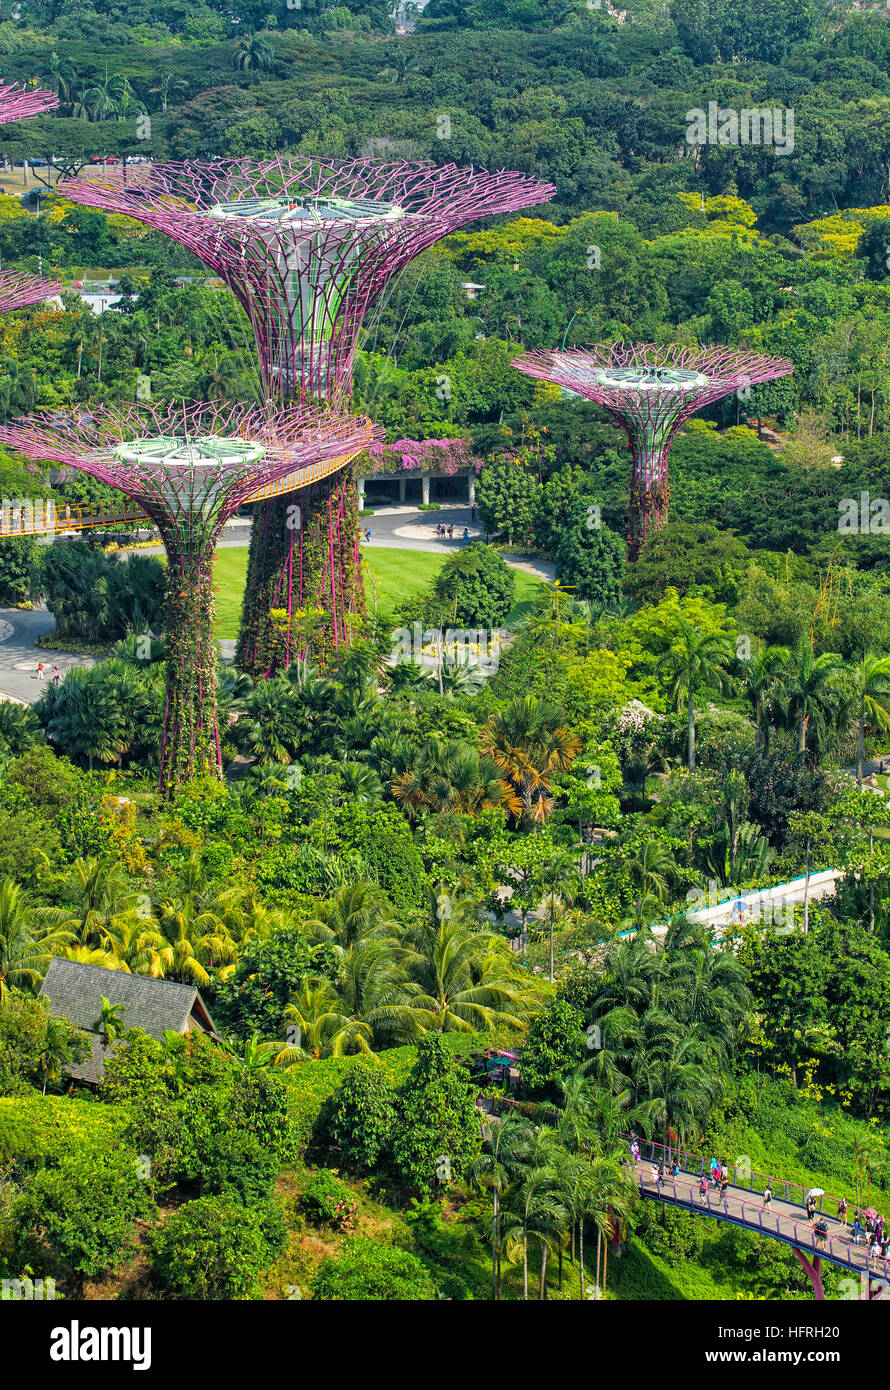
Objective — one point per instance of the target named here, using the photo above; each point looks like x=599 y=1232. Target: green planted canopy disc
x=190 y=475
x=655 y=379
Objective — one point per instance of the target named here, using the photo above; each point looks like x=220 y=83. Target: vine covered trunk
x=190 y=743
x=304 y=558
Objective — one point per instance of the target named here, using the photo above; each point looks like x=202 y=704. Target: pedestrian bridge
x=786 y=1221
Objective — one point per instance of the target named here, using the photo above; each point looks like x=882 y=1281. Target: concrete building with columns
x=415 y=485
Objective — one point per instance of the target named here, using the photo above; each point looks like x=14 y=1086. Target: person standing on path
x=842 y=1210
x=703 y=1187
x=40 y=671
x=767 y=1196
x=56 y=676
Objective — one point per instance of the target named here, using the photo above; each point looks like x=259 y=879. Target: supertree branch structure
x=189 y=468
x=19 y=103
x=307 y=247
x=651 y=390
x=18 y=291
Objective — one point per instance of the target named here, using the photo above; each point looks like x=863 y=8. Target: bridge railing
x=784 y=1228
x=696 y=1164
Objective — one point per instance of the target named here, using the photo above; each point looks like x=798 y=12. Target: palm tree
x=650 y=871
x=538 y=1206
x=323 y=1030
x=762 y=677
x=360 y=912
x=528 y=742
x=29 y=937
x=505 y=1153
x=373 y=998
x=466 y=981
x=871 y=700
x=167 y=84
x=272 y=727
x=697 y=659
x=61 y=1044
x=136 y=944
x=679 y=1083
x=810 y=700
x=254 y=54
x=450 y=776
x=59 y=76
x=99 y=891
x=200 y=925
x=109 y=1025
x=559 y=878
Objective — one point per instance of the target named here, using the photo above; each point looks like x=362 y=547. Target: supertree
x=189 y=468
x=307 y=246
x=18 y=291
x=650 y=390
x=19 y=103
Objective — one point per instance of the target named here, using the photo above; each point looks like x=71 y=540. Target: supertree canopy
x=18 y=291
x=307 y=246
x=190 y=468
x=650 y=390
x=18 y=103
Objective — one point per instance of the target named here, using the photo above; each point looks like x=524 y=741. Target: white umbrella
x=816 y=1192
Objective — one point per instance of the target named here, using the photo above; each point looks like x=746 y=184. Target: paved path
x=785 y=1220
x=19 y=629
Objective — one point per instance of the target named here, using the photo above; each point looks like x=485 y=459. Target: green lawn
x=398 y=574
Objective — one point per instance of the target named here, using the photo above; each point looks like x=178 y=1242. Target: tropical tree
x=360 y=912
x=109 y=1025
x=449 y=776
x=506 y=1151
x=559 y=878
x=811 y=703
x=696 y=660
x=29 y=937
x=254 y=54
x=466 y=981
x=871 y=700
x=528 y=742
x=762 y=676
x=61 y=1044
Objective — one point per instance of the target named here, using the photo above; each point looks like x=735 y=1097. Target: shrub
x=79 y=1218
x=36 y=1131
x=553 y=1047
x=253 y=999
x=367 y=1270
x=437 y=1126
x=476 y=587
x=358 y=1118
x=213 y=1248
x=326 y=1200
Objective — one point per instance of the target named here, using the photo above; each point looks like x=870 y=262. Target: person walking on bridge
x=842 y=1210
x=703 y=1187
x=767 y=1196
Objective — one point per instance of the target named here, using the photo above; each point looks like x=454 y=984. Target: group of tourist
x=868 y=1225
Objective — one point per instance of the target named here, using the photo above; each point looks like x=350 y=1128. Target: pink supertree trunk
x=307 y=246
x=651 y=390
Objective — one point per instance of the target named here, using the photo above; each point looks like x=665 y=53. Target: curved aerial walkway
x=742 y=1205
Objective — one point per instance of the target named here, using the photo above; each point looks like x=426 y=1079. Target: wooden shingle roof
x=75 y=991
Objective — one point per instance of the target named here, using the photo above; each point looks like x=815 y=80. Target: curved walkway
x=743 y=1205
x=19 y=630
